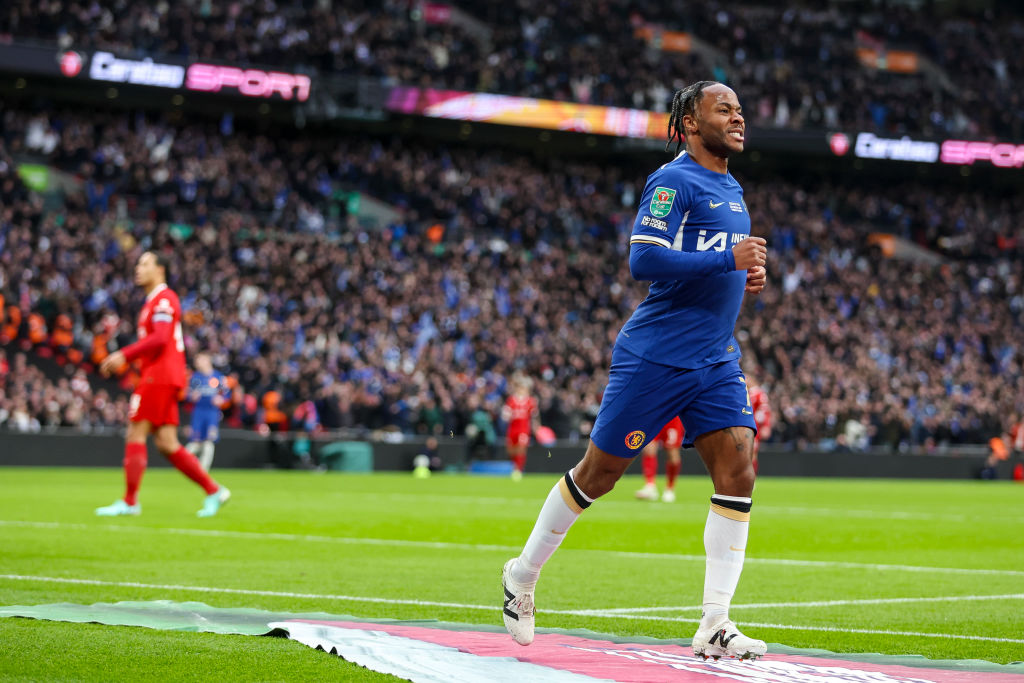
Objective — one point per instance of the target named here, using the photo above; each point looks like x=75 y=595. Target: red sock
x=519 y=461
x=189 y=465
x=650 y=465
x=671 y=472
x=134 y=468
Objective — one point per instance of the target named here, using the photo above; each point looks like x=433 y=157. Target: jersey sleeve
x=150 y=344
x=163 y=309
x=663 y=207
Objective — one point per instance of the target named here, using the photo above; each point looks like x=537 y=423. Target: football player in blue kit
x=207 y=391
x=676 y=355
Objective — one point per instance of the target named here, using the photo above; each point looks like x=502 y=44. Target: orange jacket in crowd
x=273 y=416
x=36 y=329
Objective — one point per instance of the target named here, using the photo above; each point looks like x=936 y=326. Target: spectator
x=385 y=328
x=819 y=67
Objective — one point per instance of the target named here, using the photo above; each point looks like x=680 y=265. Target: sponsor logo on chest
x=708 y=240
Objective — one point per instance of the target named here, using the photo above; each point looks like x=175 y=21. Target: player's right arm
x=664 y=207
x=193 y=388
x=152 y=342
x=161 y=334
x=649 y=261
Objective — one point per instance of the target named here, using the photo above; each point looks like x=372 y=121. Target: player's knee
x=598 y=472
x=736 y=480
x=166 y=443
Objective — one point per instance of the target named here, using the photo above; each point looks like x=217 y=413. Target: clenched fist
x=757 y=277
x=750 y=252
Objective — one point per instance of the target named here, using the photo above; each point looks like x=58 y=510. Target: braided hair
x=684 y=102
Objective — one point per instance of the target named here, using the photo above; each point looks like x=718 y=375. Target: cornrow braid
x=684 y=102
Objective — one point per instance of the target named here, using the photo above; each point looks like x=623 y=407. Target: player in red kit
x=762 y=414
x=154 y=405
x=520 y=412
x=671 y=439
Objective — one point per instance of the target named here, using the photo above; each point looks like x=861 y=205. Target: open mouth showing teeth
x=737 y=134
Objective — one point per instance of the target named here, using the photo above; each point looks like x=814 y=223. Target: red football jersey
x=164 y=364
x=521 y=411
x=1017 y=436
x=762 y=410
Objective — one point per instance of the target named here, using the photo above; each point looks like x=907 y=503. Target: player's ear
x=690 y=125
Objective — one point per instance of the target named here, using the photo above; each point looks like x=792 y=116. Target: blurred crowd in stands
x=500 y=264
x=795 y=67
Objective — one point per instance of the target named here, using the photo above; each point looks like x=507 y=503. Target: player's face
x=204 y=365
x=720 y=121
x=146 y=270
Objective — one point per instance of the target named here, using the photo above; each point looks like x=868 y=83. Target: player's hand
x=112 y=364
x=757 y=278
x=750 y=252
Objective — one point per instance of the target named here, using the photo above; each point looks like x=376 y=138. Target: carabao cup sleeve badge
x=661 y=202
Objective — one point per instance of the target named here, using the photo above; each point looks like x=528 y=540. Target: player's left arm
x=757 y=278
x=223 y=395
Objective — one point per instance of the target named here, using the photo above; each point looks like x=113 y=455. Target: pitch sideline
x=394 y=601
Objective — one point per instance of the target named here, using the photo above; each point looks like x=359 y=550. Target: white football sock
x=206 y=455
x=562 y=507
x=725 y=543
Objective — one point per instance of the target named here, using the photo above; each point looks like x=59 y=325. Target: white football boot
x=725 y=640
x=119 y=508
x=648 y=492
x=518 y=610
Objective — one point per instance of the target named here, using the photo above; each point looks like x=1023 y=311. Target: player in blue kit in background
x=207 y=391
x=676 y=355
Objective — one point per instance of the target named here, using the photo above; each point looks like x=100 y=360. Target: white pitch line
x=494 y=607
x=701 y=504
x=865 y=514
x=236 y=591
x=445 y=545
x=814 y=603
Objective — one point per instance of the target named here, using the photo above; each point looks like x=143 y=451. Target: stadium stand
x=499 y=263
x=884 y=68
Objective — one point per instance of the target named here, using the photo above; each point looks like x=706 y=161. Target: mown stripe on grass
x=446 y=545
x=494 y=607
x=817 y=603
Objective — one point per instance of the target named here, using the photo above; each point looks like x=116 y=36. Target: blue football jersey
x=688 y=323
x=207 y=386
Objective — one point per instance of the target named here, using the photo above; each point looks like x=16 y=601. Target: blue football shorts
x=642 y=397
x=204 y=425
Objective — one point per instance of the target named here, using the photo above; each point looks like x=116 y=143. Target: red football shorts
x=671 y=435
x=518 y=437
x=155 y=403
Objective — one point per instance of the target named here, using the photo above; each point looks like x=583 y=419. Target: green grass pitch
x=898 y=567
